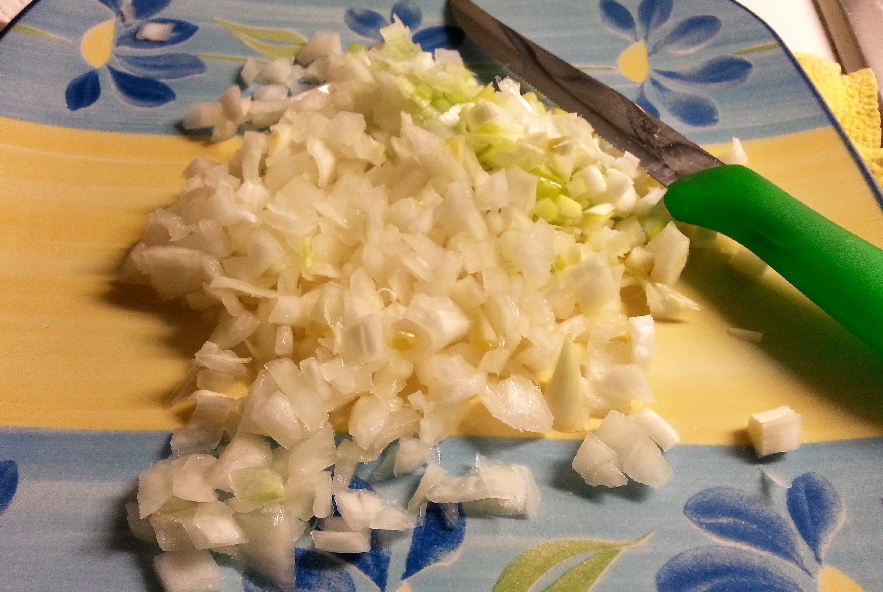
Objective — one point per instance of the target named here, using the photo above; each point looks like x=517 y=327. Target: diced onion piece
x=637 y=455
x=593 y=283
x=432 y=476
x=665 y=436
x=342 y=541
x=490 y=488
x=272 y=534
x=358 y=507
x=313 y=454
x=243 y=451
x=565 y=394
x=774 y=431
x=597 y=463
x=188 y=571
x=736 y=153
x=322 y=44
x=174 y=271
x=519 y=403
x=154 y=31
x=254 y=487
x=249 y=71
x=213 y=526
x=623 y=383
x=305 y=402
x=510 y=489
x=411 y=454
x=392 y=517
x=745 y=334
x=645 y=464
x=154 y=488
x=190 y=478
x=138 y=526
x=670 y=249
x=203 y=114
x=642 y=331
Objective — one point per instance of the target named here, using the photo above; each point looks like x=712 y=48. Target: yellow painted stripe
x=79 y=351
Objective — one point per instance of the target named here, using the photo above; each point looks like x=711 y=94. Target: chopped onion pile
x=403 y=245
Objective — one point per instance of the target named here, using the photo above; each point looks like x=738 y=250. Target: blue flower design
x=136 y=67
x=757 y=543
x=368 y=23
x=8 y=483
x=683 y=93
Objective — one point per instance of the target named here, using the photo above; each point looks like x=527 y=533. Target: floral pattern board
x=75 y=64
x=64 y=526
x=706 y=66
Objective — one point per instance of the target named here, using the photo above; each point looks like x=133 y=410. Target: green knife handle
x=837 y=270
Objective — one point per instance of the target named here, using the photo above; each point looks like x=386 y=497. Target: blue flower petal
x=644 y=103
x=141 y=91
x=366 y=23
x=83 y=90
x=432 y=38
x=689 y=35
x=167 y=66
x=721 y=569
x=320 y=572
x=8 y=483
x=721 y=73
x=359 y=484
x=817 y=510
x=114 y=5
x=435 y=541
x=408 y=12
x=618 y=19
x=375 y=563
x=145 y=9
x=652 y=14
x=737 y=517
x=181 y=31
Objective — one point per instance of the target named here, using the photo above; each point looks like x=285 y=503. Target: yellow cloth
x=853 y=100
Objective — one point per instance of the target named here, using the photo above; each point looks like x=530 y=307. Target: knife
x=837 y=270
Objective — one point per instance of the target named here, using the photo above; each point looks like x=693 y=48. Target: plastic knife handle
x=837 y=270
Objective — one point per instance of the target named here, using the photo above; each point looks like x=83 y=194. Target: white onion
x=776 y=430
x=188 y=571
x=387 y=256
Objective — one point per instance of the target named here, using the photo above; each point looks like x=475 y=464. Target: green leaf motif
x=271 y=42
x=25 y=29
x=583 y=576
x=527 y=569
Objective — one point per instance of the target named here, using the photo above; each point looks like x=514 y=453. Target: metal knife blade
x=665 y=154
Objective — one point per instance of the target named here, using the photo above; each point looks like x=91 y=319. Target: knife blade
x=837 y=270
x=664 y=153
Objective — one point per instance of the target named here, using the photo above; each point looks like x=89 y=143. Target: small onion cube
x=358 y=507
x=597 y=463
x=154 y=488
x=774 y=431
x=519 y=403
x=411 y=454
x=659 y=430
x=342 y=541
x=213 y=526
x=154 y=31
x=188 y=571
x=272 y=535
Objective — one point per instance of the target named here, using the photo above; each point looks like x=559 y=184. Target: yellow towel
x=853 y=100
